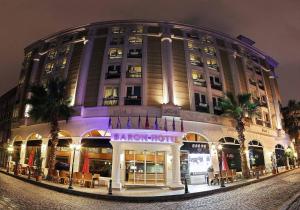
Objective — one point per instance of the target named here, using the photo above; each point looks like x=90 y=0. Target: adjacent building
x=147 y=96
x=7 y=102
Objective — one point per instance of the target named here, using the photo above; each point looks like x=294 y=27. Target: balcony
x=196 y=63
x=201 y=107
x=199 y=82
x=111 y=101
x=264 y=104
x=113 y=75
x=252 y=82
x=262 y=87
x=218 y=110
x=213 y=66
x=133 y=74
x=133 y=100
x=134 y=55
x=216 y=86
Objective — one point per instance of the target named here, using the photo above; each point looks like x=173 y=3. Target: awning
x=96 y=142
x=34 y=143
x=61 y=143
x=195 y=147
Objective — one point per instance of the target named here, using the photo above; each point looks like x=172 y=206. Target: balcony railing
x=113 y=75
x=196 y=63
x=111 y=101
x=202 y=108
x=133 y=100
x=213 y=66
x=218 y=110
x=252 y=82
x=216 y=86
x=134 y=55
x=199 y=82
x=262 y=87
x=132 y=74
x=259 y=122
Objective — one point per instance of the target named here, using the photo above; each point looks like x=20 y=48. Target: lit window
x=212 y=63
x=65 y=50
x=52 y=54
x=196 y=60
x=210 y=50
x=207 y=40
x=111 y=96
x=137 y=29
x=117 y=30
x=49 y=67
x=134 y=71
x=198 y=78
x=193 y=46
x=62 y=63
x=133 y=95
x=115 y=53
x=135 y=40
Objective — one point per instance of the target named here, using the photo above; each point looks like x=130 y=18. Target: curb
x=140 y=199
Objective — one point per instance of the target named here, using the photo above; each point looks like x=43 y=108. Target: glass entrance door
x=145 y=167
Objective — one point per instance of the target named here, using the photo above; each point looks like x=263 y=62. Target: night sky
x=273 y=24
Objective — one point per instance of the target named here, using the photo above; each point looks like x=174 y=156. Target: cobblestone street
x=269 y=194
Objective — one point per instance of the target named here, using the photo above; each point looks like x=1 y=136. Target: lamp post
x=74 y=147
x=288 y=152
x=220 y=148
x=10 y=150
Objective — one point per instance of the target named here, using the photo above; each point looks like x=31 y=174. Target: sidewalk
x=143 y=194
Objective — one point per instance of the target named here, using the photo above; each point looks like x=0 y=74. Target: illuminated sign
x=144 y=137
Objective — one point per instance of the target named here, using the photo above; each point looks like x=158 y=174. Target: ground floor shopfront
x=147 y=157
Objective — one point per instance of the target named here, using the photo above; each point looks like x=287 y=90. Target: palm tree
x=48 y=103
x=239 y=108
x=291 y=118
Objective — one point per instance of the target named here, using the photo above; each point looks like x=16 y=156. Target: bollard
x=110 y=187
x=222 y=184
x=186 y=187
x=29 y=173
x=257 y=174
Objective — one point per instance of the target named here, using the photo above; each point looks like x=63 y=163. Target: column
x=84 y=70
x=176 y=179
x=75 y=140
x=23 y=153
x=167 y=69
x=44 y=151
x=116 y=166
x=276 y=104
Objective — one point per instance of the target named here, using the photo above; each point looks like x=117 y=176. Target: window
x=259 y=120
x=134 y=53
x=62 y=63
x=133 y=95
x=196 y=60
x=134 y=71
x=194 y=46
x=257 y=70
x=192 y=35
x=207 y=40
x=252 y=82
x=198 y=78
x=212 y=64
x=263 y=100
x=137 y=29
x=267 y=120
x=200 y=102
x=115 y=53
x=114 y=71
x=52 y=54
x=117 y=40
x=216 y=105
x=64 y=50
x=135 y=40
x=210 y=50
x=49 y=67
x=111 y=96
x=215 y=83
x=261 y=85
x=117 y=30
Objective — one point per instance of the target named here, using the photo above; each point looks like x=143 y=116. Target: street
x=269 y=194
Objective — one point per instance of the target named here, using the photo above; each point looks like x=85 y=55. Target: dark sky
x=273 y=24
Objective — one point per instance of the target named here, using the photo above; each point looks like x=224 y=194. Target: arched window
x=231 y=149
x=256 y=153
x=194 y=137
x=279 y=152
x=96 y=133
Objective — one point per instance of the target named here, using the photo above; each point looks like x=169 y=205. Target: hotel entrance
x=145 y=167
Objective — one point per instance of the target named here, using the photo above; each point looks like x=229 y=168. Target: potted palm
x=240 y=108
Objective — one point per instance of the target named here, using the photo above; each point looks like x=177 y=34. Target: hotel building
x=146 y=96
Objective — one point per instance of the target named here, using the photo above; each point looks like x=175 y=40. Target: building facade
x=147 y=98
x=7 y=102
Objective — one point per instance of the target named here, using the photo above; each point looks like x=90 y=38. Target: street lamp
x=10 y=150
x=74 y=147
x=220 y=148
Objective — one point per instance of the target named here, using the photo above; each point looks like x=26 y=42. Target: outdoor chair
x=229 y=175
x=88 y=180
x=55 y=177
x=77 y=177
x=96 y=179
x=234 y=174
x=224 y=175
